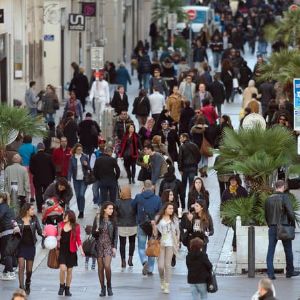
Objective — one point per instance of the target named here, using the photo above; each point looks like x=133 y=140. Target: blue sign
x=49 y=37
x=297 y=93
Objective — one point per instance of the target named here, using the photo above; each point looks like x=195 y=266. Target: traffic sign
x=97 y=58
x=191 y=13
x=172 y=21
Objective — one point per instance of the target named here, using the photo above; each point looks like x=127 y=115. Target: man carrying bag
x=280 y=218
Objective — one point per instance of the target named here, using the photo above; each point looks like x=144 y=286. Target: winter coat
x=247 y=95
x=141 y=106
x=217 y=92
x=172 y=183
x=80 y=85
x=174 y=104
x=118 y=103
x=61 y=160
x=146 y=203
x=121 y=126
x=130 y=146
x=70 y=131
x=145 y=135
x=197 y=101
x=6 y=218
x=186 y=115
x=88 y=131
x=26 y=151
x=126 y=213
x=144 y=66
x=172 y=141
x=64 y=197
x=35 y=227
x=77 y=109
x=189 y=156
x=110 y=165
x=72 y=173
x=210 y=114
x=240 y=192
x=42 y=168
x=199 y=267
x=49 y=101
x=123 y=77
x=194 y=197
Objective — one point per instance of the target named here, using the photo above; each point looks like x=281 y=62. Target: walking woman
x=127 y=226
x=130 y=146
x=29 y=225
x=69 y=242
x=78 y=168
x=141 y=108
x=146 y=132
x=167 y=226
x=227 y=79
x=198 y=193
x=197 y=224
x=105 y=230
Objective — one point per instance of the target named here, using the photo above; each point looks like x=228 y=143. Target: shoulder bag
x=146 y=225
x=212 y=285
x=12 y=245
x=205 y=148
x=52 y=261
x=285 y=232
x=153 y=247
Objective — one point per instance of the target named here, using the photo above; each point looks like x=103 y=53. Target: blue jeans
x=108 y=186
x=145 y=79
x=287 y=245
x=187 y=175
x=199 y=289
x=49 y=118
x=142 y=240
x=216 y=59
x=33 y=112
x=80 y=188
x=96 y=194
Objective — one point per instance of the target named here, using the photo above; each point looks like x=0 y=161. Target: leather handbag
x=52 y=261
x=89 y=177
x=212 y=285
x=205 y=148
x=89 y=247
x=12 y=245
x=285 y=232
x=153 y=247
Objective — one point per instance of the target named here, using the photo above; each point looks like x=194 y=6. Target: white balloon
x=50 y=242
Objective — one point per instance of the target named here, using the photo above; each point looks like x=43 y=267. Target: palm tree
x=286 y=30
x=257 y=154
x=14 y=121
x=283 y=67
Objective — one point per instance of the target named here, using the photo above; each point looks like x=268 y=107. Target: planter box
x=261 y=248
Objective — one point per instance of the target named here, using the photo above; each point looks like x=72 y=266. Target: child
x=199 y=269
x=88 y=231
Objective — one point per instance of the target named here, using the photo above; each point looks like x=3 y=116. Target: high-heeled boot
x=27 y=288
x=61 y=289
x=130 y=264
x=103 y=291
x=67 y=291
x=123 y=263
x=109 y=291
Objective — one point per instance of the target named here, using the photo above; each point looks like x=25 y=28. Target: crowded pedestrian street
x=149 y=148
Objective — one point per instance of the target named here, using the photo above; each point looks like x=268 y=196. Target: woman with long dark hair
x=69 y=242
x=130 y=146
x=197 y=224
x=105 y=230
x=146 y=132
x=227 y=75
x=78 y=168
x=29 y=225
x=141 y=108
x=167 y=226
x=198 y=192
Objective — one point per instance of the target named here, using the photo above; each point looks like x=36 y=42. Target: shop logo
x=76 y=22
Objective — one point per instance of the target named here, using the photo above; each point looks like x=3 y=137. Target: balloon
x=50 y=242
x=50 y=230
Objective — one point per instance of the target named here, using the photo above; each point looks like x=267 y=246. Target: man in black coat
x=120 y=100
x=107 y=171
x=43 y=171
x=88 y=131
x=217 y=91
x=267 y=92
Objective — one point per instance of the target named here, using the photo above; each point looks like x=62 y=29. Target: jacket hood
x=147 y=194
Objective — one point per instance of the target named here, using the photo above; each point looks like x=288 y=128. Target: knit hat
x=40 y=146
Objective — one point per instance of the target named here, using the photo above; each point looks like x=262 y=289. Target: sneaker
x=96 y=206
x=12 y=275
x=145 y=268
x=162 y=285
x=7 y=276
x=166 y=289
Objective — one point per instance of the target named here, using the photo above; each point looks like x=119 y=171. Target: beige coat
x=174 y=104
x=247 y=95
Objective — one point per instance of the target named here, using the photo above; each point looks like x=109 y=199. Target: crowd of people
x=179 y=115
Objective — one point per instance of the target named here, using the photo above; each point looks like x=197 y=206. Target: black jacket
x=106 y=168
x=112 y=231
x=42 y=168
x=278 y=210
x=189 y=156
x=88 y=131
x=70 y=131
x=194 y=196
x=171 y=182
x=217 y=91
x=199 y=267
x=141 y=106
x=186 y=115
x=80 y=84
x=126 y=213
x=267 y=296
x=35 y=227
x=172 y=141
x=64 y=197
x=119 y=104
x=6 y=217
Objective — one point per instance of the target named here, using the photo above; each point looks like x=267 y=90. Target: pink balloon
x=50 y=230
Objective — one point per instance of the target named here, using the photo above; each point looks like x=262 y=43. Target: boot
x=162 y=284
x=166 y=289
x=61 y=289
x=103 y=291
x=123 y=265
x=130 y=264
x=109 y=291
x=133 y=181
x=27 y=288
x=67 y=291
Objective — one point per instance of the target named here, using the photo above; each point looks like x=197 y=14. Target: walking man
x=278 y=210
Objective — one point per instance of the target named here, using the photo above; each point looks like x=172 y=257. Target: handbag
x=285 y=232
x=12 y=245
x=146 y=225
x=212 y=285
x=89 y=247
x=153 y=247
x=52 y=261
x=205 y=148
x=89 y=177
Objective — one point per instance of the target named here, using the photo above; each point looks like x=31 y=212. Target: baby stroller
x=52 y=212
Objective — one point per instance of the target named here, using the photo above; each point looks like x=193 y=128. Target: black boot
x=61 y=289
x=130 y=264
x=133 y=181
x=123 y=264
x=67 y=291
x=80 y=216
x=109 y=291
x=103 y=291
x=27 y=288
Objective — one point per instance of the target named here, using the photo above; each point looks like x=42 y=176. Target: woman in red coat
x=130 y=146
x=68 y=242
